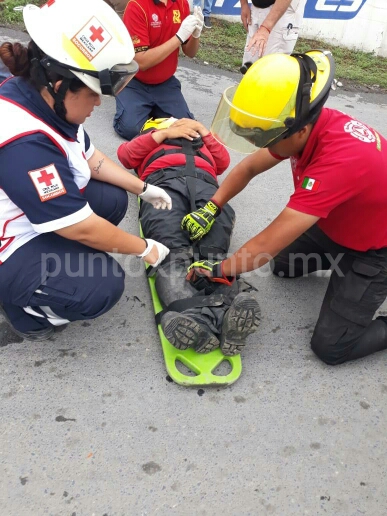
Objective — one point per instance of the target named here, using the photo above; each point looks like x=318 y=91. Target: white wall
x=367 y=31
x=355 y=24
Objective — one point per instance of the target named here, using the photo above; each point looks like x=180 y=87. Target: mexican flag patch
x=310 y=184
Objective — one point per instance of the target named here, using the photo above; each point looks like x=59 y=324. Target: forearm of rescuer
x=278 y=9
x=106 y=170
x=242 y=174
x=98 y=233
x=191 y=48
x=153 y=56
x=286 y=228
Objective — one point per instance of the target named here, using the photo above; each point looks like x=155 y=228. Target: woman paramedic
x=60 y=198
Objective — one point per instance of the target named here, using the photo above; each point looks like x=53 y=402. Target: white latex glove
x=200 y=22
x=152 y=246
x=187 y=27
x=158 y=197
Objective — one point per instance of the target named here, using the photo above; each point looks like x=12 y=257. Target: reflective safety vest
x=15 y=228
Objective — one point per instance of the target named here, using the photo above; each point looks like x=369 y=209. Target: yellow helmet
x=278 y=95
x=157 y=123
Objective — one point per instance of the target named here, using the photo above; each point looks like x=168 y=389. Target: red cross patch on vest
x=47 y=182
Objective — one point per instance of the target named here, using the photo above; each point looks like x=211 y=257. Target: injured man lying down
x=184 y=158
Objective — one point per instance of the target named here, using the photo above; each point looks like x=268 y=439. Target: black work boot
x=35 y=335
x=241 y=319
x=184 y=332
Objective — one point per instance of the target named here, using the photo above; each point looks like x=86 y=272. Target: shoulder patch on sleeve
x=47 y=182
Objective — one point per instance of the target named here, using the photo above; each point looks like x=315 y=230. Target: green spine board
x=203 y=365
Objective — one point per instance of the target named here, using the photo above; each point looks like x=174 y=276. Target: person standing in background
x=207 y=7
x=272 y=27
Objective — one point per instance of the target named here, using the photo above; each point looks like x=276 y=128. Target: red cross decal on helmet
x=46 y=178
x=96 y=34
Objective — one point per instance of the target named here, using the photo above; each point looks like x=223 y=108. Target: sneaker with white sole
x=241 y=320
x=184 y=332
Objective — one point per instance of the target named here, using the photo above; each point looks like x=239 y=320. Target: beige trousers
x=283 y=37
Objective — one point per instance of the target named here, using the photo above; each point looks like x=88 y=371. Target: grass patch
x=7 y=14
x=223 y=45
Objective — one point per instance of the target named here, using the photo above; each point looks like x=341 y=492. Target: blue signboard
x=333 y=9
x=323 y=9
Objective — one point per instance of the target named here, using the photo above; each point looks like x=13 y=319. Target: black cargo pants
x=345 y=329
x=164 y=226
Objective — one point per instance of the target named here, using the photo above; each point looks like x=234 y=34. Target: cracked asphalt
x=92 y=426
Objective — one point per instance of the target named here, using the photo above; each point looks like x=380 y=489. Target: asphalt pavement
x=92 y=426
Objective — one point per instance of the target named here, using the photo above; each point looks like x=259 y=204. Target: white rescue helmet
x=85 y=38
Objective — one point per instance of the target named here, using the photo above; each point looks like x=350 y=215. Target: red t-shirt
x=341 y=177
x=135 y=154
x=150 y=24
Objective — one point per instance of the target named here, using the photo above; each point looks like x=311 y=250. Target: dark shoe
x=35 y=335
x=241 y=319
x=243 y=69
x=183 y=332
x=207 y=22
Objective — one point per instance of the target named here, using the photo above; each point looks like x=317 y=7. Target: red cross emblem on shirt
x=96 y=34
x=46 y=178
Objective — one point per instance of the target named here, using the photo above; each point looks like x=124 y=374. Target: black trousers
x=164 y=226
x=345 y=329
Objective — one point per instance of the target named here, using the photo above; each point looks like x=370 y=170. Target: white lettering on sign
x=326 y=5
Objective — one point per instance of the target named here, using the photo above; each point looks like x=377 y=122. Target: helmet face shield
x=257 y=136
x=242 y=131
x=119 y=76
x=111 y=81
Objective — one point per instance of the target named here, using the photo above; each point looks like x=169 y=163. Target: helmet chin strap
x=40 y=76
x=308 y=72
x=59 y=96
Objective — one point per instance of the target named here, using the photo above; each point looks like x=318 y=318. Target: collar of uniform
x=23 y=93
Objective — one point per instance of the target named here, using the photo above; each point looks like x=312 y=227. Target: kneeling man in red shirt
x=335 y=218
